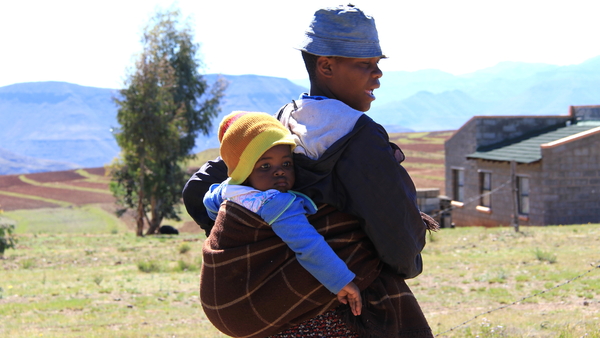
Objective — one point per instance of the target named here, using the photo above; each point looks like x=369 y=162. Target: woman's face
x=353 y=81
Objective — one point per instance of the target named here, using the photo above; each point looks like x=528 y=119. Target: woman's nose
x=377 y=73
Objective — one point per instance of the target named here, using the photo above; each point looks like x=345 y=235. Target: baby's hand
x=350 y=294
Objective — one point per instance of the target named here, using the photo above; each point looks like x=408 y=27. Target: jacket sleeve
x=212 y=172
x=213 y=199
x=378 y=189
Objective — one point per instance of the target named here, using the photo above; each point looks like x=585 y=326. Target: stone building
x=526 y=170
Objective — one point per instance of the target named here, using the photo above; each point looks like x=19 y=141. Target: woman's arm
x=196 y=187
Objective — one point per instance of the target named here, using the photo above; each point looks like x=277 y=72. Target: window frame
x=485 y=188
x=458 y=184
x=523 y=195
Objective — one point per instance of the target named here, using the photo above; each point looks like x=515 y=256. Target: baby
x=257 y=150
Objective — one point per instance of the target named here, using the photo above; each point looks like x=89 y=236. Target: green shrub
x=28 y=263
x=184 y=247
x=149 y=266
x=98 y=279
x=7 y=237
x=185 y=266
x=545 y=256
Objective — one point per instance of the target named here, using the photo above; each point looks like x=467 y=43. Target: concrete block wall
x=571 y=181
x=457 y=147
x=585 y=112
x=501 y=211
x=428 y=200
x=492 y=130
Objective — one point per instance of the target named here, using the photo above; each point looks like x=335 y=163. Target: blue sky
x=93 y=43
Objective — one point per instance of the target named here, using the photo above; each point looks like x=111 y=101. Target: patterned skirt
x=329 y=324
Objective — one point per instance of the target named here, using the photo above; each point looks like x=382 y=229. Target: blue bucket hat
x=344 y=31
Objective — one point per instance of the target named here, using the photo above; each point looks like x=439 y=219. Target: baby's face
x=274 y=170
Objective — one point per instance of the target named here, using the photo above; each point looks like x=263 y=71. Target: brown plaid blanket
x=251 y=284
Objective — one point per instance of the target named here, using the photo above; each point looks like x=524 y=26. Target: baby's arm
x=315 y=255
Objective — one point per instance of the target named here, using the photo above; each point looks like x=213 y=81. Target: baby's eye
x=287 y=164
x=265 y=166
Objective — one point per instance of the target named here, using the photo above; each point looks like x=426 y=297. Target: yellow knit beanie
x=244 y=137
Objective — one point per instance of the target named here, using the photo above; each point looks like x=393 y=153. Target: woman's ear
x=324 y=66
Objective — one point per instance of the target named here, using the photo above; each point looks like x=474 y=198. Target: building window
x=458 y=185
x=523 y=194
x=485 y=189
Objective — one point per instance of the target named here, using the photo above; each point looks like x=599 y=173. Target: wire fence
x=520 y=300
x=473 y=199
x=477 y=199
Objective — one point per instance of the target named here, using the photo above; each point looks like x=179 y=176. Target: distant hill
x=11 y=163
x=60 y=126
x=58 y=121
x=251 y=93
x=70 y=125
x=428 y=100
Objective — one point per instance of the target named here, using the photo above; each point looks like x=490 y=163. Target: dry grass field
x=82 y=280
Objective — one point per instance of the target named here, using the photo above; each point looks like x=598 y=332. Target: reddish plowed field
x=100 y=171
x=76 y=197
x=420 y=149
x=55 y=176
x=9 y=180
x=12 y=183
x=415 y=159
x=426 y=148
x=9 y=203
x=422 y=178
x=423 y=183
x=92 y=185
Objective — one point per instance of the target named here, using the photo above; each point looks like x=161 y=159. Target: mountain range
x=49 y=126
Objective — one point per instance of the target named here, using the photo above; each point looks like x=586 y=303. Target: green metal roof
x=526 y=149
